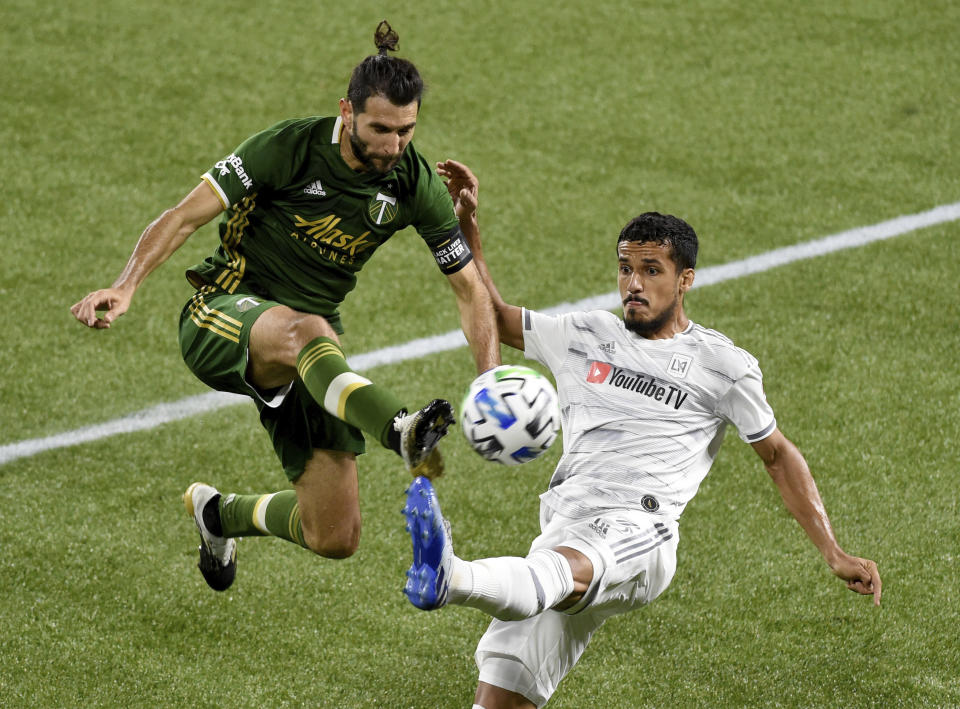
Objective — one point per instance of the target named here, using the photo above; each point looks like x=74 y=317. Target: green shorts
x=214 y=341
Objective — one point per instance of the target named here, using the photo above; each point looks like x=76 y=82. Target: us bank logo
x=382 y=208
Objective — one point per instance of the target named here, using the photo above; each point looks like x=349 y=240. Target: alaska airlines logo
x=232 y=161
x=331 y=242
x=637 y=382
x=382 y=208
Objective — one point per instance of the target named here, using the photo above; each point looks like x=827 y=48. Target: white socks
x=511 y=588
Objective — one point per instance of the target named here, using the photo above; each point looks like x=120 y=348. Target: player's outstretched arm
x=476 y=316
x=792 y=477
x=464 y=188
x=159 y=240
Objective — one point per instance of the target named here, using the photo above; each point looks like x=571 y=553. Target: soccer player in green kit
x=306 y=204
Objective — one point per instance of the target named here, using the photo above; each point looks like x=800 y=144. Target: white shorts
x=634 y=556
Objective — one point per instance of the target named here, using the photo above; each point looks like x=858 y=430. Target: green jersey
x=300 y=223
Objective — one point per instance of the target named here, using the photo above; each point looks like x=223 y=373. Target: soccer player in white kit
x=645 y=401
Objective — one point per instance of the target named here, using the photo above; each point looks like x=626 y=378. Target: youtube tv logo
x=598 y=372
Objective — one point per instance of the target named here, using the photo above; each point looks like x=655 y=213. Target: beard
x=375 y=163
x=646 y=328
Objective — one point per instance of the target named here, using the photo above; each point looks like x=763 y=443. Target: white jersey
x=642 y=419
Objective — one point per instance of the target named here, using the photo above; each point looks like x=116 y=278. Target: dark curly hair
x=668 y=230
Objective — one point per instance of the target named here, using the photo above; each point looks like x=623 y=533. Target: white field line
x=159 y=414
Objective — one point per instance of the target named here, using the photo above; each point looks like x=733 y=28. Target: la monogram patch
x=679 y=365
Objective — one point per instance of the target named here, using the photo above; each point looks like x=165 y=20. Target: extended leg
x=506 y=587
x=285 y=344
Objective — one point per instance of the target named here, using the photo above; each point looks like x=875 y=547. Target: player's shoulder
x=587 y=322
x=294 y=131
x=596 y=321
x=718 y=348
x=708 y=337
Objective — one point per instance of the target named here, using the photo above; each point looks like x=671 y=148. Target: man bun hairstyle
x=380 y=74
x=386 y=38
x=667 y=230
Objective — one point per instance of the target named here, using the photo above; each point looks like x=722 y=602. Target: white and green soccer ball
x=510 y=414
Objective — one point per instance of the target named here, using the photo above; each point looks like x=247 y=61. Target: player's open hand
x=861 y=576
x=113 y=300
x=463 y=186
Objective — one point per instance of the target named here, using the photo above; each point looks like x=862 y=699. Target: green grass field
x=763 y=125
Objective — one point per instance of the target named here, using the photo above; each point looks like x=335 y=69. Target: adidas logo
x=600 y=527
x=316 y=189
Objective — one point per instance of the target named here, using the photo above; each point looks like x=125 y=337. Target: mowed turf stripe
x=191 y=406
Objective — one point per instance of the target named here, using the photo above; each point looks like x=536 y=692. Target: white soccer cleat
x=218 y=555
x=420 y=432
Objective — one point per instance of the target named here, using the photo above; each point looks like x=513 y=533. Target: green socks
x=276 y=515
x=344 y=393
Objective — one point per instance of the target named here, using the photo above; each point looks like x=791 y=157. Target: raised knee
x=305 y=327
x=338 y=541
x=296 y=333
x=276 y=341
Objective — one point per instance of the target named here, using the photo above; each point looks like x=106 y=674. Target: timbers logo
x=382 y=208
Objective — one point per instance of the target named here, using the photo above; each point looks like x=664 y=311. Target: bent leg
x=329 y=498
x=513 y=588
x=286 y=344
x=276 y=340
x=521 y=663
x=321 y=513
x=490 y=696
x=582 y=569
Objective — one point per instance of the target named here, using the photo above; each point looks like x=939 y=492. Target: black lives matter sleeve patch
x=453 y=254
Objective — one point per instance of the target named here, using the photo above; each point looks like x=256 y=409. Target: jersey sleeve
x=437 y=223
x=545 y=338
x=264 y=160
x=745 y=406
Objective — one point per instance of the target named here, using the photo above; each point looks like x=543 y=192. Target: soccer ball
x=510 y=414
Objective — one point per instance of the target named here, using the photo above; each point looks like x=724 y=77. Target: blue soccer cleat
x=428 y=579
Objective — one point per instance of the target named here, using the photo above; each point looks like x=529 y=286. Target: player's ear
x=346 y=113
x=686 y=279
